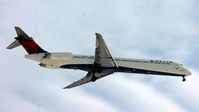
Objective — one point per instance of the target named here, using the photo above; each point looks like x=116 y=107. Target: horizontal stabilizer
x=14 y=44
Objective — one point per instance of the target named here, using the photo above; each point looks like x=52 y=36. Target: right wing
x=102 y=54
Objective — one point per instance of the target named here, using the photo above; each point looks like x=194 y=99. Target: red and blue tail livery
x=27 y=42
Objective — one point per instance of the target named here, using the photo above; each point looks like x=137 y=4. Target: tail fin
x=27 y=42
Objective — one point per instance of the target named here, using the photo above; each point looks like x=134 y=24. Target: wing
x=84 y=80
x=103 y=58
x=102 y=54
x=88 y=78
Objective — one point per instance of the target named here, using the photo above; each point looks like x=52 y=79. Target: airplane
x=98 y=66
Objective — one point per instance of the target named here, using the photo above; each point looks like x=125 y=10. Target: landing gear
x=96 y=68
x=94 y=78
x=183 y=78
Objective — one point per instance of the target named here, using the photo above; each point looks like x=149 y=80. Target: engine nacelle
x=49 y=66
x=58 y=56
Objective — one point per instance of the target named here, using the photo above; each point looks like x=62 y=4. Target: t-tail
x=27 y=42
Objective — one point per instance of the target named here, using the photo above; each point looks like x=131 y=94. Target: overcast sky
x=151 y=29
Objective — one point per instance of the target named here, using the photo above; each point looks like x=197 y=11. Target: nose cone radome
x=188 y=73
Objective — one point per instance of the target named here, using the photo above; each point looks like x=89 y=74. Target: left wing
x=84 y=80
x=88 y=78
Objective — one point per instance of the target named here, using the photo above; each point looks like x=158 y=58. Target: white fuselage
x=128 y=65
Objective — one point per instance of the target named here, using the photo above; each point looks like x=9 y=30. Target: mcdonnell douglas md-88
x=98 y=66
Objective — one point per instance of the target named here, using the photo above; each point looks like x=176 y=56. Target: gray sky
x=151 y=29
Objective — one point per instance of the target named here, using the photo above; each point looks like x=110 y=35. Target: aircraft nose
x=188 y=72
